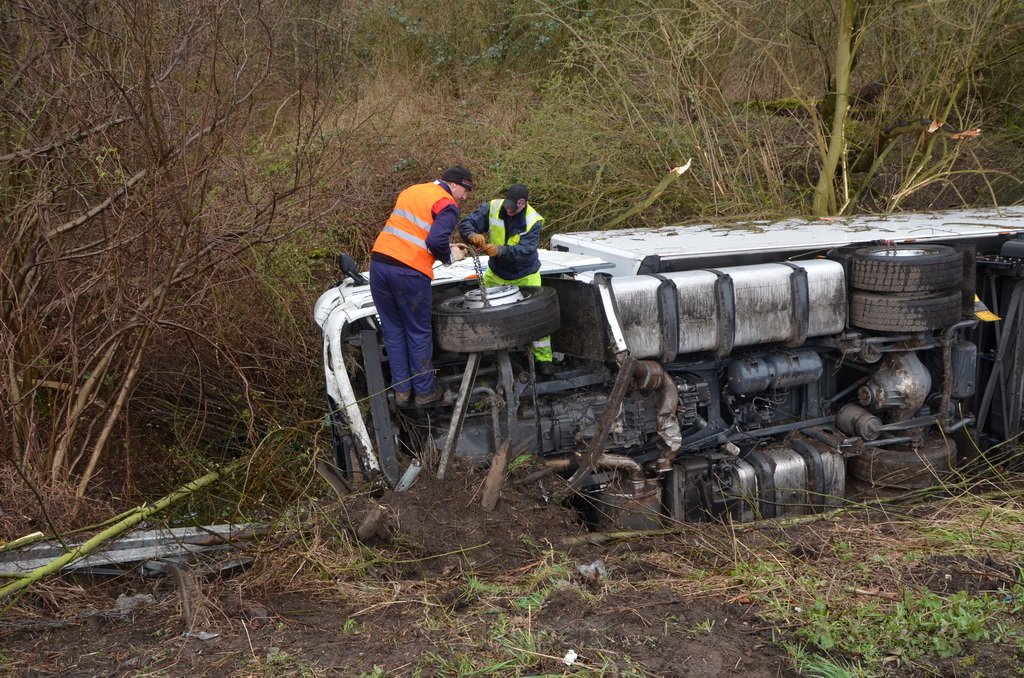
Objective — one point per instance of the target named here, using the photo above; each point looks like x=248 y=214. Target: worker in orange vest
x=417 y=233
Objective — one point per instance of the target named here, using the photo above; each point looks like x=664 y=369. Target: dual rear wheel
x=905 y=288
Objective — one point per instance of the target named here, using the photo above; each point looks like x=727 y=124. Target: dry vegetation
x=178 y=176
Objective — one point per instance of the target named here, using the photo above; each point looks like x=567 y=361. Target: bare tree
x=124 y=194
x=824 y=192
x=784 y=106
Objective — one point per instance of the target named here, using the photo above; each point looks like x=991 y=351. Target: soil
x=316 y=602
x=276 y=619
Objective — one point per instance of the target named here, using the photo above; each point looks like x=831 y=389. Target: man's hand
x=490 y=250
x=459 y=252
x=477 y=240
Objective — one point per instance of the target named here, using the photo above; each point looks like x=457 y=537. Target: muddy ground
x=295 y=634
x=445 y=588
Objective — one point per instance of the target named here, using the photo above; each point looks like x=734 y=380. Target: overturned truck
x=742 y=371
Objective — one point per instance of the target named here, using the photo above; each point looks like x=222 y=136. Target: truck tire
x=890 y=313
x=905 y=269
x=473 y=330
x=907 y=469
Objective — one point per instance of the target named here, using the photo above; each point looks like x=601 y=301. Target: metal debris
x=148 y=547
x=593 y=572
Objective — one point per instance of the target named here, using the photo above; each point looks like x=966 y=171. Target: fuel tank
x=799 y=478
x=717 y=310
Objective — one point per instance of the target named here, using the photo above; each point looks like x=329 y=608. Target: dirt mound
x=444 y=525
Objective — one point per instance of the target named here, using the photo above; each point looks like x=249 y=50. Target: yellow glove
x=477 y=240
x=490 y=250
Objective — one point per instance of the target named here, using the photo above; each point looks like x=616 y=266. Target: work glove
x=459 y=252
x=490 y=250
x=477 y=240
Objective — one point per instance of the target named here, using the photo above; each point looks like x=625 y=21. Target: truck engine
x=711 y=373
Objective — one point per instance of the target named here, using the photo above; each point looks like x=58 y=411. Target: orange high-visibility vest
x=404 y=237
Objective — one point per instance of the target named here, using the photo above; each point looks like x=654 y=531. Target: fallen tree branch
x=792 y=521
x=601 y=538
x=22 y=541
x=536 y=475
x=651 y=197
x=877 y=593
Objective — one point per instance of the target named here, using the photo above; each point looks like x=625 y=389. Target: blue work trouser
x=402 y=297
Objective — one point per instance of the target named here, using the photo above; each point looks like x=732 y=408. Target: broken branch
x=651 y=197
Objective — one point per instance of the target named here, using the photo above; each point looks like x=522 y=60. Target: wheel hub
x=496 y=296
x=904 y=252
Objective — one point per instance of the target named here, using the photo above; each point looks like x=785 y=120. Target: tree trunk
x=825 y=193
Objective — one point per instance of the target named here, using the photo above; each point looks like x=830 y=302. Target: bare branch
x=42 y=150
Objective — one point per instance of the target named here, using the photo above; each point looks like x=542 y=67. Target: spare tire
x=461 y=329
x=906 y=268
x=887 y=313
x=911 y=469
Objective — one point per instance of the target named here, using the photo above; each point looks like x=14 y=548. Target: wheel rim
x=500 y=295
x=904 y=252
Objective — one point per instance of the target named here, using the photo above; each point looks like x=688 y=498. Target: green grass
x=278 y=662
x=922 y=624
x=861 y=608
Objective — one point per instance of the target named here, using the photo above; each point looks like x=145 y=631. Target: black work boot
x=402 y=398
x=546 y=369
x=438 y=397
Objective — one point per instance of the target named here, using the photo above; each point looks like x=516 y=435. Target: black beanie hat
x=457 y=174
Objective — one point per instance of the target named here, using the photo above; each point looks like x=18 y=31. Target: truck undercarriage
x=761 y=372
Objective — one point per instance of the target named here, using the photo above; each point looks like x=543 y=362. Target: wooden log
x=495 y=477
x=372 y=523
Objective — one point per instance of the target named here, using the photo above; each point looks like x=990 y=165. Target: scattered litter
x=409 y=477
x=594 y=571
x=200 y=635
x=570 y=658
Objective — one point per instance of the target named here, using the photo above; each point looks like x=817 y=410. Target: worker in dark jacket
x=401 y=267
x=514 y=229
